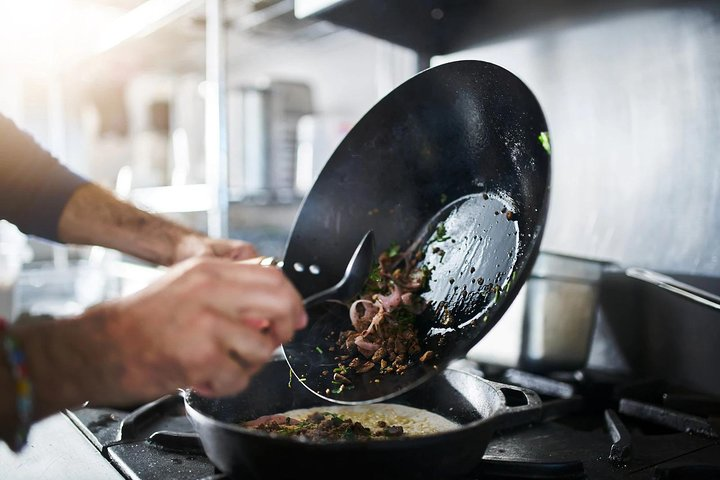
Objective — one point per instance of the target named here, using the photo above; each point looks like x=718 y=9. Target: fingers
x=248 y=348
x=208 y=323
x=225 y=362
x=227 y=378
x=233 y=249
x=195 y=245
x=251 y=292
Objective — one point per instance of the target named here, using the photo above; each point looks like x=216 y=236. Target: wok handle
x=310 y=300
x=670 y=284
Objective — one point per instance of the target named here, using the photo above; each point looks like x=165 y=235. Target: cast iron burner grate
x=592 y=427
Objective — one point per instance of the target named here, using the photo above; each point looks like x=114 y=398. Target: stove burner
x=695 y=404
x=687 y=472
x=584 y=416
x=621 y=449
x=506 y=470
x=679 y=421
x=539 y=384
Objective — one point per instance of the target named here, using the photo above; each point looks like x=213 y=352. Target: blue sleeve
x=34 y=186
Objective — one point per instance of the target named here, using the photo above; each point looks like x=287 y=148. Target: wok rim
x=530 y=249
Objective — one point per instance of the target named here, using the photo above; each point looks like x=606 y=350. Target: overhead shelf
x=437 y=27
x=144 y=19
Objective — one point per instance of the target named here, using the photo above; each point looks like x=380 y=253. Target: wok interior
x=458 y=396
x=463 y=134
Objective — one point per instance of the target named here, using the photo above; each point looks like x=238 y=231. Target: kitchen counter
x=56 y=450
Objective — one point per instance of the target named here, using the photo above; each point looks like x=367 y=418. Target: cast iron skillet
x=459 y=143
x=478 y=405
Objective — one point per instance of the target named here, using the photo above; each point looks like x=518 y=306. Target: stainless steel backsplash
x=633 y=104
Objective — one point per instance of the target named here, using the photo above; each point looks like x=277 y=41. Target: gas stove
x=593 y=426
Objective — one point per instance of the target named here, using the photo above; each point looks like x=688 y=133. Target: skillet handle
x=522 y=406
x=179 y=442
x=695 y=294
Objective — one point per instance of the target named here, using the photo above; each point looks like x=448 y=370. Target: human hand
x=196 y=245
x=208 y=324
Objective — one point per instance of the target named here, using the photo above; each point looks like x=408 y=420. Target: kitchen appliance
x=461 y=147
x=478 y=406
x=665 y=431
x=549 y=326
x=573 y=438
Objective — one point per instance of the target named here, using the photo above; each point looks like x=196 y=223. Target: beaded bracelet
x=23 y=387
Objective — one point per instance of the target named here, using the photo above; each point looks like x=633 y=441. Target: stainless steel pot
x=549 y=325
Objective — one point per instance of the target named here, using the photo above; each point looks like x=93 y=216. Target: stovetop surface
x=590 y=429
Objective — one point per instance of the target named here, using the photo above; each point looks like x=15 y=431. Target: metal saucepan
x=467 y=139
x=480 y=407
x=549 y=327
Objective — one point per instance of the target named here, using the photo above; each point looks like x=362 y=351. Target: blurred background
x=220 y=114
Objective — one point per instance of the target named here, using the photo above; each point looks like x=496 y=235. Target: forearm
x=93 y=216
x=69 y=362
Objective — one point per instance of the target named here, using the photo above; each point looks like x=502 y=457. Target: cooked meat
x=383 y=318
x=324 y=426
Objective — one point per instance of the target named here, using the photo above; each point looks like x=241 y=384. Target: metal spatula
x=356 y=273
x=303 y=349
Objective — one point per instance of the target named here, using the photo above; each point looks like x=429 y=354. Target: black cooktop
x=593 y=427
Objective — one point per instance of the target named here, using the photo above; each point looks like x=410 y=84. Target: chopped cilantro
x=426 y=276
x=374 y=279
x=440 y=233
x=403 y=316
x=545 y=141
x=394 y=250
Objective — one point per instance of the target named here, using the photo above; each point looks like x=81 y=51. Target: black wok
x=479 y=406
x=460 y=144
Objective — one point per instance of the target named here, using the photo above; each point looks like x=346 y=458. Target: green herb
x=374 y=281
x=404 y=317
x=319 y=350
x=443 y=198
x=394 y=250
x=440 y=233
x=426 y=276
x=290 y=379
x=545 y=141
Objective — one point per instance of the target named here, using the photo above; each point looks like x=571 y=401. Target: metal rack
x=152 y=15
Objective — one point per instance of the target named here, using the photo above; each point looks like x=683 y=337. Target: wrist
x=8 y=411
x=190 y=244
x=22 y=386
x=70 y=361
